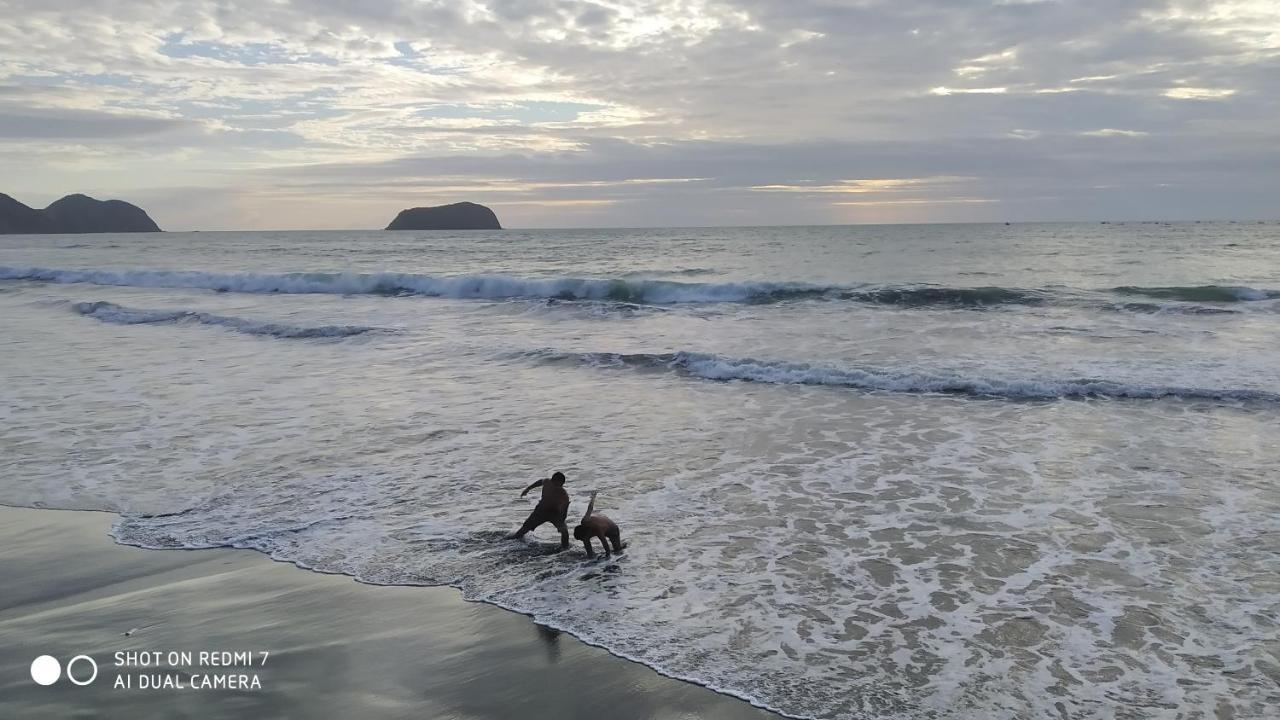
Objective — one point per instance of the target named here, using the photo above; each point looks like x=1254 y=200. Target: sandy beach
x=337 y=648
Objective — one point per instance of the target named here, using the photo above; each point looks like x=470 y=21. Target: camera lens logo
x=45 y=670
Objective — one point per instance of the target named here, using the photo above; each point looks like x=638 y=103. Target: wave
x=1200 y=293
x=482 y=286
x=112 y=313
x=645 y=291
x=497 y=287
x=715 y=367
x=927 y=295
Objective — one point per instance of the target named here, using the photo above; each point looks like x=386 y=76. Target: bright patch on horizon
x=865 y=185
x=1113 y=132
x=968 y=91
x=557 y=203
x=1198 y=93
x=919 y=201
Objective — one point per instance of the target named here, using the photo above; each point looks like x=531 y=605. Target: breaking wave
x=480 y=286
x=715 y=367
x=112 y=313
x=648 y=291
x=499 y=287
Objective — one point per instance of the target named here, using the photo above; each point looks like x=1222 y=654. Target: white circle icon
x=45 y=670
x=93 y=663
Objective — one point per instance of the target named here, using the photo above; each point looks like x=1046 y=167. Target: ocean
x=936 y=471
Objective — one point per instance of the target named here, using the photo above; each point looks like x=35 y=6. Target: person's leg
x=615 y=537
x=564 y=535
x=534 y=521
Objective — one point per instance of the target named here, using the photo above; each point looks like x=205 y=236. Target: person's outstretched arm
x=536 y=483
x=604 y=541
x=591 y=505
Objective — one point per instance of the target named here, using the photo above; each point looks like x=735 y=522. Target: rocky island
x=74 y=214
x=458 y=216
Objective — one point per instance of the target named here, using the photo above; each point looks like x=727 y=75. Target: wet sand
x=337 y=648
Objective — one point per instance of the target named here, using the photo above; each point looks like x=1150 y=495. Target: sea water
x=865 y=472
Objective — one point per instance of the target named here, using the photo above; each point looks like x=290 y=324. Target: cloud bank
x=333 y=114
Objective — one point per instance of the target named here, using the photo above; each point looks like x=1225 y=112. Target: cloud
x=544 y=103
x=63 y=124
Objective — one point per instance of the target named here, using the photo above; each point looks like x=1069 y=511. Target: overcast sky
x=270 y=114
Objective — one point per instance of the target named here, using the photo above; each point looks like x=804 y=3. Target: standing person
x=552 y=508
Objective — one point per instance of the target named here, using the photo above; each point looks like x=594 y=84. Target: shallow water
x=866 y=472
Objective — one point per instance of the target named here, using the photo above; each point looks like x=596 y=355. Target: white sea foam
x=933 y=571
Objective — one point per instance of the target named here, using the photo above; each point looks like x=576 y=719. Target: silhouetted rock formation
x=83 y=214
x=458 y=216
x=74 y=214
x=18 y=218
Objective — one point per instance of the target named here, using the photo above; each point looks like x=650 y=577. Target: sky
x=271 y=114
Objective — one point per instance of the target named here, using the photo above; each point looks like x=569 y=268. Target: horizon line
x=1258 y=221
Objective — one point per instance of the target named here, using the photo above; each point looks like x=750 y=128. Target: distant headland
x=83 y=214
x=458 y=216
x=74 y=214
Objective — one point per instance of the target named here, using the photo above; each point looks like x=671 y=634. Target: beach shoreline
x=334 y=646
